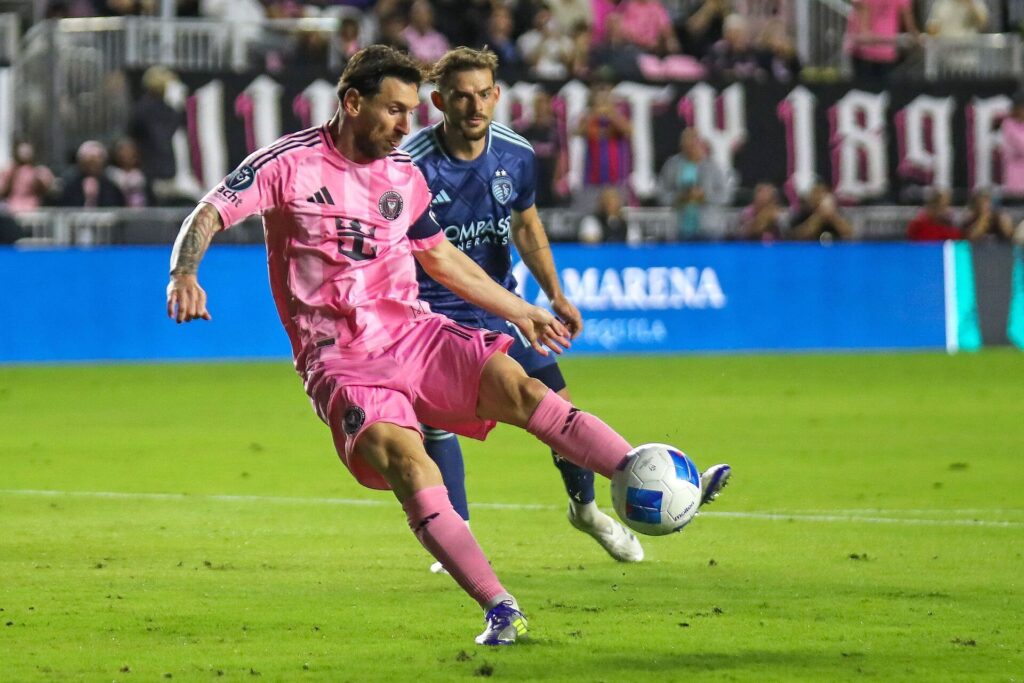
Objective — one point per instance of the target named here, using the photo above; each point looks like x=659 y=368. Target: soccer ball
x=657 y=492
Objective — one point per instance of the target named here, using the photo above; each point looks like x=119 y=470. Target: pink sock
x=445 y=535
x=577 y=436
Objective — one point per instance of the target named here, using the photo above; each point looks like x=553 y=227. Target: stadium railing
x=987 y=55
x=71 y=72
x=59 y=227
x=10 y=35
x=819 y=32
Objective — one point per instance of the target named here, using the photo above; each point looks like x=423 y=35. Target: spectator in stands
x=872 y=32
x=734 y=57
x=582 y=49
x=244 y=16
x=87 y=184
x=499 y=37
x=545 y=48
x=984 y=222
x=425 y=42
x=647 y=25
x=544 y=137
x=703 y=27
x=615 y=54
x=762 y=13
x=127 y=174
x=1012 y=132
x=819 y=218
x=152 y=125
x=952 y=18
x=127 y=8
x=570 y=13
x=392 y=31
x=690 y=180
x=347 y=41
x=608 y=221
x=24 y=184
x=764 y=219
x=464 y=21
x=934 y=222
x=606 y=131
x=777 y=54
x=65 y=9
x=600 y=10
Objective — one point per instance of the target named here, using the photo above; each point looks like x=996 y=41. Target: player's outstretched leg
x=506 y=394
x=444 y=449
x=397 y=454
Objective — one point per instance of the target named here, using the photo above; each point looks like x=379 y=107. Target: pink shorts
x=431 y=375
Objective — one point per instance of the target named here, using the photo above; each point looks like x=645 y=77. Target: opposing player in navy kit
x=482 y=176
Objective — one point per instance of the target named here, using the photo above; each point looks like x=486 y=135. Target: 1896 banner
x=870 y=144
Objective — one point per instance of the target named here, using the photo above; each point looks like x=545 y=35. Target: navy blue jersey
x=473 y=202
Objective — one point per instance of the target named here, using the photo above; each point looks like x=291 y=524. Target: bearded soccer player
x=482 y=176
x=345 y=217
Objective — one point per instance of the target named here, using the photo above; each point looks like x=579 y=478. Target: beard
x=474 y=134
x=373 y=147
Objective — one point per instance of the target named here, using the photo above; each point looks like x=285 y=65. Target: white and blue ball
x=657 y=491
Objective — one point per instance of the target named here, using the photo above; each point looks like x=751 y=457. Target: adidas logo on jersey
x=322 y=196
x=441 y=198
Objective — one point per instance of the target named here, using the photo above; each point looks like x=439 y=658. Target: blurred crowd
x=535 y=39
x=560 y=39
x=598 y=41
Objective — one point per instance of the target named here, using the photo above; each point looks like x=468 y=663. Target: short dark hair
x=371 y=65
x=462 y=59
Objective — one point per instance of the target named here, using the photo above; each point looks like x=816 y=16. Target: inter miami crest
x=241 y=178
x=390 y=205
x=353 y=420
x=501 y=186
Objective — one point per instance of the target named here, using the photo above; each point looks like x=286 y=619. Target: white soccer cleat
x=616 y=539
x=438 y=568
x=712 y=481
x=505 y=625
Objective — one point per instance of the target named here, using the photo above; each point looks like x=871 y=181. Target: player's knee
x=526 y=396
x=394 y=452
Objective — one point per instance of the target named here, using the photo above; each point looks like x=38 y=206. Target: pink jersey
x=884 y=21
x=340 y=237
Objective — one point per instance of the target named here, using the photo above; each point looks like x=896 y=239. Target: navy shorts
x=544 y=368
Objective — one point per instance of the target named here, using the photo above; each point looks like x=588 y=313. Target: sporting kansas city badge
x=390 y=205
x=501 y=186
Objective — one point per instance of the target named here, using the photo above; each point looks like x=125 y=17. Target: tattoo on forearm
x=193 y=240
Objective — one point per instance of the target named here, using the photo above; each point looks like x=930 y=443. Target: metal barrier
x=987 y=55
x=68 y=226
x=60 y=227
x=820 y=29
x=70 y=76
x=9 y=35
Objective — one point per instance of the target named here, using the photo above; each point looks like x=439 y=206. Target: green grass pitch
x=191 y=522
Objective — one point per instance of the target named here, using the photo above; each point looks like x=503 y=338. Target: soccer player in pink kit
x=344 y=215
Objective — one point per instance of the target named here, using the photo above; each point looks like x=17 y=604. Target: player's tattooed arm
x=532 y=244
x=186 y=300
x=194 y=238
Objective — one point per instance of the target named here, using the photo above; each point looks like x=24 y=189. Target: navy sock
x=579 y=481
x=443 y=448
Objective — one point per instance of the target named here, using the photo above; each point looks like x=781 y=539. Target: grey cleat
x=712 y=481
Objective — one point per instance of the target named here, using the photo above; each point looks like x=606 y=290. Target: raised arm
x=459 y=273
x=186 y=300
x=532 y=243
